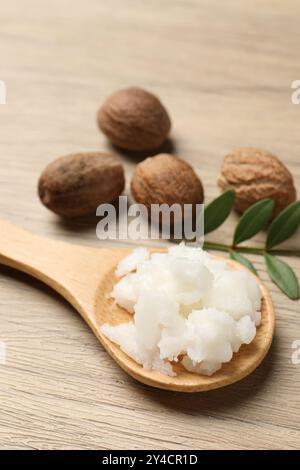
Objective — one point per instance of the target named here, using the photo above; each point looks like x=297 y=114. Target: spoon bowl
x=85 y=276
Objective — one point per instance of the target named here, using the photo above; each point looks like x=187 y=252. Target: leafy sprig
x=254 y=220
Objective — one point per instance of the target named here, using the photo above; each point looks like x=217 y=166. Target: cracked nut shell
x=256 y=174
x=74 y=185
x=134 y=119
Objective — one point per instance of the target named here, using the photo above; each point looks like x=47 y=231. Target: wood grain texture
x=85 y=277
x=224 y=71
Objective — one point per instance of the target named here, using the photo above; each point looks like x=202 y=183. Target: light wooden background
x=224 y=70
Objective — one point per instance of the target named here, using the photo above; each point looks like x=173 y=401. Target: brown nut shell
x=165 y=179
x=74 y=185
x=134 y=119
x=255 y=174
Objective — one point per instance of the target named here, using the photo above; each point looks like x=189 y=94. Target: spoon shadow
x=23 y=278
x=222 y=399
x=215 y=401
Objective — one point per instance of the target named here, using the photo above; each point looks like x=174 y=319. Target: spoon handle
x=74 y=271
x=58 y=264
x=41 y=258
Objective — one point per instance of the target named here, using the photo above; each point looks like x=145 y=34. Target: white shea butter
x=186 y=306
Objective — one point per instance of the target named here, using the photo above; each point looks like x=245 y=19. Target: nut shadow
x=79 y=225
x=169 y=146
x=83 y=225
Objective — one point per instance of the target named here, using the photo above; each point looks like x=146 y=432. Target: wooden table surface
x=224 y=71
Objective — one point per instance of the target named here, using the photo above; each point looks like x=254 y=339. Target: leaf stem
x=246 y=249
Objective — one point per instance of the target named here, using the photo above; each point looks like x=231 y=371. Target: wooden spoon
x=85 y=277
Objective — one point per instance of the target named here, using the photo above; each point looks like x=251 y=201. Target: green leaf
x=283 y=275
x=253 y=220
x=284 y=225
x=218 y=210
x=242 y=260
